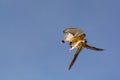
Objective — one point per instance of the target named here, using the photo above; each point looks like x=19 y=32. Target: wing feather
x=93 y=48
x=75 y=57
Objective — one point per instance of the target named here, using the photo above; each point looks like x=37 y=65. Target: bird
x=77 y=39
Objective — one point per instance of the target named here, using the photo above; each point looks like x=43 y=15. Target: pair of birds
x=77 y=39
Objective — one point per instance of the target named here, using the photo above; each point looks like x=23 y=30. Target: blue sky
x=31 y=31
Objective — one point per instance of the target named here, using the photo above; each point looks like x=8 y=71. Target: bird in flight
x=77 y=39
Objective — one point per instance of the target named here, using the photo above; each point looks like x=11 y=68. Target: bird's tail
x=93 y=48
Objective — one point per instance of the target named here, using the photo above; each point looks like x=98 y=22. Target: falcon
x=77 y=39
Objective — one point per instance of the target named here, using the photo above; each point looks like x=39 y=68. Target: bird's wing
x=93 y=48
x=74 y=31
x=75 y=57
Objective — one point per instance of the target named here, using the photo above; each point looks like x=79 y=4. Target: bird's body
x=77 y=39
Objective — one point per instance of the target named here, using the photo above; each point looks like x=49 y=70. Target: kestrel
x=76 y=39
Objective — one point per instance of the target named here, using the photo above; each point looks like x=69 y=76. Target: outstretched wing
x=75 y=57
x=73 y=31
x=93 y=48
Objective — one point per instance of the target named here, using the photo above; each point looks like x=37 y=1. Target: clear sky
x=31 y=31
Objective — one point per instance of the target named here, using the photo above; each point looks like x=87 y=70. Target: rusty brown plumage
x=76 y=39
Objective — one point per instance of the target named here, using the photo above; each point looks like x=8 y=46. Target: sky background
x=31 y=32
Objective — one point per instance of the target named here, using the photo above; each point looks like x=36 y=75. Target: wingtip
x=99 y=49
x=69 y=68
